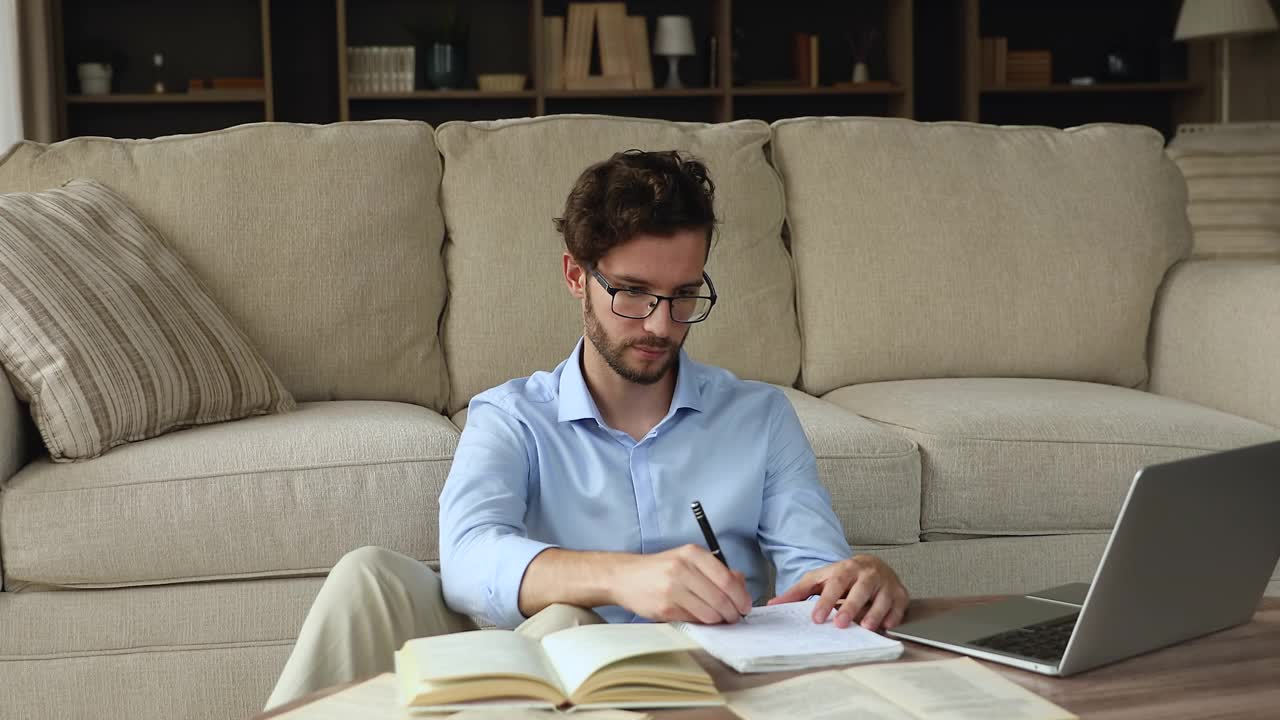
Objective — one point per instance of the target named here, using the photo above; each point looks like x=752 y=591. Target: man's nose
x=659 y=322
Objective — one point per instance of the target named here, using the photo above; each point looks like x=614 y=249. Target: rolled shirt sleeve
x=799 y=530
x=484 y=548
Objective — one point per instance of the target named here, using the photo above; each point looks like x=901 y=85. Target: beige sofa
x=984 y=331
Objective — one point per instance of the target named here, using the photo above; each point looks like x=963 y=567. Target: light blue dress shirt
x=537 y=467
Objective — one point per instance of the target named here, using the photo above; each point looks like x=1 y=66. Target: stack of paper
x=785 y=637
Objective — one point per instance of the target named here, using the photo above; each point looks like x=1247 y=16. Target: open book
x=615 y=666
x=785 y=637
x=959 y=689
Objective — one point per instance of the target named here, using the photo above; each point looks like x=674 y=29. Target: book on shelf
x=553 y=49
x=995 y=60
x=590 y=666
x=1001 y=60
x=813 y=62
x=611 y=38
x=1029 y=67
x=804 y=58
x=638 y=45
x=941 y=689
x=603 y=24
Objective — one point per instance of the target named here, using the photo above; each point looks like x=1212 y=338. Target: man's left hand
x=869 y=588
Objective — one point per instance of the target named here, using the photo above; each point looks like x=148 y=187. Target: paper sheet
x=785 y=636
x=960 y=689
x=829 y=695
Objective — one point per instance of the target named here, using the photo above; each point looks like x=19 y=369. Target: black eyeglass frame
x=613 y=294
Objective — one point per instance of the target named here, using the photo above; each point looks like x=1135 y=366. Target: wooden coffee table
x=1231 y=674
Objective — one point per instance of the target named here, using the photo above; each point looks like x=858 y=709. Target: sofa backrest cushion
x=963 y=250
x=509 y=313
x=321 y=242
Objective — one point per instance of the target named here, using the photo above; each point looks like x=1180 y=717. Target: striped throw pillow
x=107 y=334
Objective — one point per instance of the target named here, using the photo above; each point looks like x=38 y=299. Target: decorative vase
x=860 y=74
x=444 y=66
x=95 y=78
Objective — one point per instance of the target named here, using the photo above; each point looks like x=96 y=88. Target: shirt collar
x=576 y=402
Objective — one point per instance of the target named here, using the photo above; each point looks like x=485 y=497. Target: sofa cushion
x=1233 y=188
x=106 y=333
x=873 y=474
x=275 y=495
x=1033 y=457
x=962 y=250
x=501 y=238
x=276 y=228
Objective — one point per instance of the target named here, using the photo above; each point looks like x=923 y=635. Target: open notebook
x=613 y=666
x=785 y=637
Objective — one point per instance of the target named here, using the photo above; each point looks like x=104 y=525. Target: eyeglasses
x=638 y=305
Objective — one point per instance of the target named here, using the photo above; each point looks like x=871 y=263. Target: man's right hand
x=684 y=584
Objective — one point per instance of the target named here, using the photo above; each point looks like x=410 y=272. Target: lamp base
x=673 y=73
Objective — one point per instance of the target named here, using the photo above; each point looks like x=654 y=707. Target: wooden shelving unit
x=232 y=38
x=307 y=79
x=1137 y=87
x=248 y=96
x=891 y=96
x=1076 y=30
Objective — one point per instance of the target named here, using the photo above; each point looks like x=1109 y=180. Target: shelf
x=445 y=95
x=861 y=89
x=216 y=96
x=1139 y=87
x=654 y=93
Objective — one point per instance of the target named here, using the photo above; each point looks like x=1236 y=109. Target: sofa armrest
x=13 y=440
x=1215 y=337
x=13 y=427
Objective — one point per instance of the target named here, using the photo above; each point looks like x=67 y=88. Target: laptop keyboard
x=1042 y=641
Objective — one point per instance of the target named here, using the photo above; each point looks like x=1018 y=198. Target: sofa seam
x=897 y=456
x=147 y=649
x=1045 y=441
x=321 y=466
x=275 y=574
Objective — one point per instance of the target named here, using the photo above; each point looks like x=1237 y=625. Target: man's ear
x=575 y=277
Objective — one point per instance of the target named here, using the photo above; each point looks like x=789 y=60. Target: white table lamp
x=1224 y=19
x=674 y=39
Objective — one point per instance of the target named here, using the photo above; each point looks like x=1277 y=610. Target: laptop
x=1192 y=552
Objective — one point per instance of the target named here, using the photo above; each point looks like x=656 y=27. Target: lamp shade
x=1224 y=18
x=674 y=36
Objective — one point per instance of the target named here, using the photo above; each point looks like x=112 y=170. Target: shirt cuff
x=514 y=554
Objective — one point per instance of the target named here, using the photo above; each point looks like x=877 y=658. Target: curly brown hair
x=634 y=192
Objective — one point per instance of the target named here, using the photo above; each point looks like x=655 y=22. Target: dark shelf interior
x=764 y=37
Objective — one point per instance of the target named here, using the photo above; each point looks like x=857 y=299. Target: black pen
x=707 y=532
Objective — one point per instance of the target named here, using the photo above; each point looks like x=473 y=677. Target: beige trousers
x=372 y=602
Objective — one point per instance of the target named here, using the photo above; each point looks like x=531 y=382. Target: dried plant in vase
x=860 y=43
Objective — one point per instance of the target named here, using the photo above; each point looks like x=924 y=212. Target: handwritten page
x=960 y=689
x=785 y=637
x=829 y=695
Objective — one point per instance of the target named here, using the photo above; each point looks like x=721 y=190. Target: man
x=568 y=501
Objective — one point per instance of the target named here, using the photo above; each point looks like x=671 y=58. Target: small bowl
x=500 y=82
